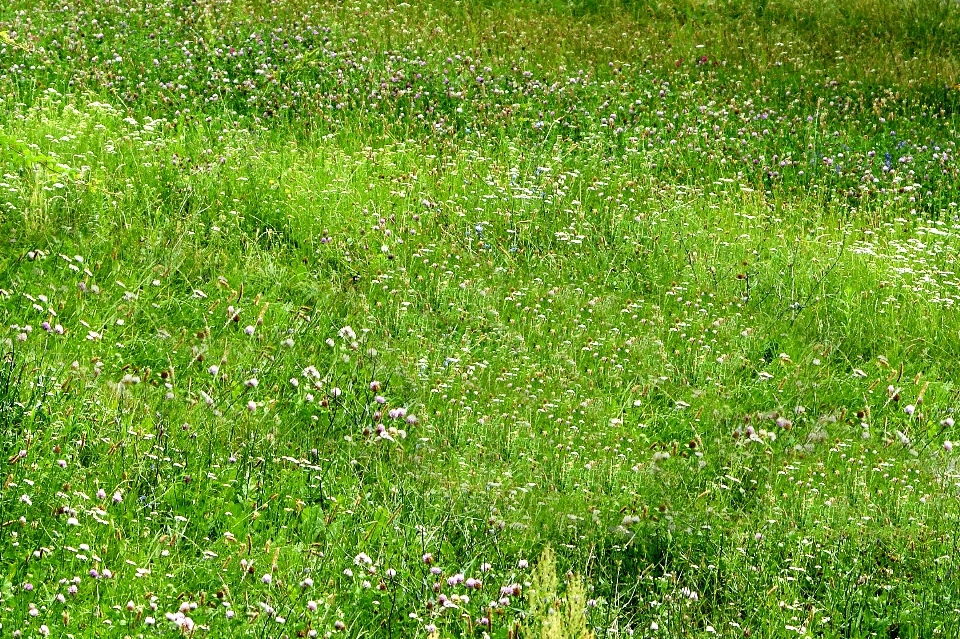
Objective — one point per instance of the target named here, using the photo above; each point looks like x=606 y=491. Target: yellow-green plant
x=552 y=616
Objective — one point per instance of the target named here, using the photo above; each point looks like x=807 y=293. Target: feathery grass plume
x=552 y=616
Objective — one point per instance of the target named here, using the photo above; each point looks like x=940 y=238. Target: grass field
x=537 y=320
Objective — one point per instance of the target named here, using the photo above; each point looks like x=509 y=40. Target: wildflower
x=948 y=445
x=361 y=559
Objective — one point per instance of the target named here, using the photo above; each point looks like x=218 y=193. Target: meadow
x=543 y=319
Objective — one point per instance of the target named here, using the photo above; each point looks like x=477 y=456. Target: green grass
x=533 y=319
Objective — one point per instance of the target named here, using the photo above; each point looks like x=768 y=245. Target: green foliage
x=327 y=318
